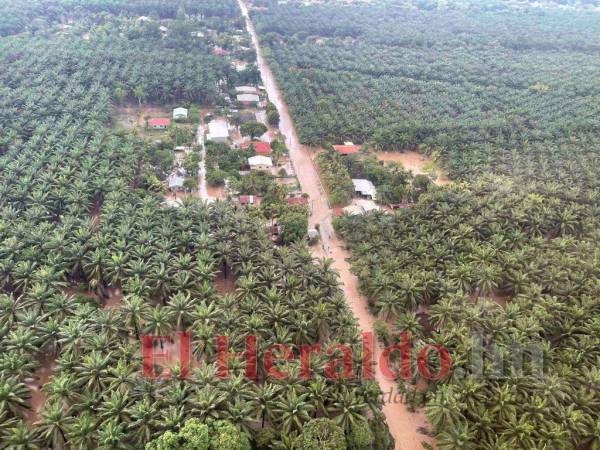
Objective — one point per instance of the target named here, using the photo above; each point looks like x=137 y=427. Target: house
x=249 y=200
x=347 y=149
x=260 y=148
x=218 y=131
x=219 y=51
x=248 y=99
x=239 y=65
x=246 y=90
x=260 y=163
x=175 y=182
x=364 y=188
x=180 y=114
x=159 y=124
x=297 y=201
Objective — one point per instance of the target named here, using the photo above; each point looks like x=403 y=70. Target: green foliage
x=360 y=437
x=295 y=226
x=475 y=80
x=253 y=129
x=319 y=434
x=272 y=115
x=335 y=177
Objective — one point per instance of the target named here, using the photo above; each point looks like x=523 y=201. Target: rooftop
x=260 y=161
x=160 y=122
x=260 y=148
x=347 y=149
x=248 y=98
x=218 y=129
x=365 y=187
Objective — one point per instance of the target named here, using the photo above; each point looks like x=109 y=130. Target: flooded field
x=129 y=116
x=415 y=162
x=216 y=192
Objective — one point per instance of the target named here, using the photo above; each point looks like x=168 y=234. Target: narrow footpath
x=403 y=424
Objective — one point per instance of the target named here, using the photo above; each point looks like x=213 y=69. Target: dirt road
x=403 y=424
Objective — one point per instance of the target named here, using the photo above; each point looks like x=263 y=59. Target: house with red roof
x=347 y=149
x=260 y=148
x=296 y=201
x=159 y=124
x=249 y=200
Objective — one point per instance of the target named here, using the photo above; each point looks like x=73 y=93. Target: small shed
x=364 y=188
x=159 y=124
x=249 y=200
x=260 y=163
x=296 y=201
x=175 y=182
x=347 y=149
x=180 y=114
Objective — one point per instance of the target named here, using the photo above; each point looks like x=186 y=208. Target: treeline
x=23 y=15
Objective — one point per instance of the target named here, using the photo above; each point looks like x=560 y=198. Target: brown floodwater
x=114 y=298
x=225 y=285
x=38 y=397
x=402 y=423
x=413 y=161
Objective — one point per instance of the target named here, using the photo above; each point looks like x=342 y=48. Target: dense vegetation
x=395 y=185
x=506 y=260
x=449 y=262
x=470 y=84
x=91 y=258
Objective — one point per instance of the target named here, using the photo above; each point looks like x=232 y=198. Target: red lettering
x=423 y=362
x=346 y=363
x=286 y=355
x=404 y=347
x=250 y=355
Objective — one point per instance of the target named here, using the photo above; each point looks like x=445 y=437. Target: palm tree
x=158 y=323
x=133 y=314
x=54 y=422
x=292 y=411
x=13 y=395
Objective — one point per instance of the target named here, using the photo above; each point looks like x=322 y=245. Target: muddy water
x=114 y=298
x=202 y=186
x=38 y=397
x=413 y=161
x=402 y=423
x=225 y=285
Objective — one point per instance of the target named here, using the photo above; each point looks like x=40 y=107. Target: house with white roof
x=218 y=131
x=246 y=90
x=260 y=162
x=180 y=114
x=364 y=188
x=248 y=99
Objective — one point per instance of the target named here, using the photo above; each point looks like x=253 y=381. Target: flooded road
x=402 y=423
x=202 y=188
